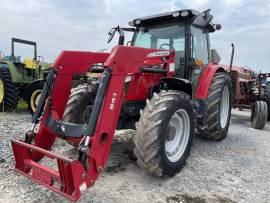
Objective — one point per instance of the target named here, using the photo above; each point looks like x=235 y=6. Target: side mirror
x=215 y=58
x=217 y=26
x=202 y=19
x=111 y=34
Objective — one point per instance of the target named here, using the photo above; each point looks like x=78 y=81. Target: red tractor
x=165 y=83
x=251 y=91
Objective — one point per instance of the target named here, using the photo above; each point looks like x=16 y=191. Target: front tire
x=164 y=133
x=218 y=108
x=259 y=113
x=79 y=107
x=76 y=109
x=33 y=96
x=9 y=92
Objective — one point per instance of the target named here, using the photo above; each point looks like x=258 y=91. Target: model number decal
x=113 y=101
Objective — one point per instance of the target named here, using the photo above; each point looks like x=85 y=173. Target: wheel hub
x=34 y=99
x=177 y=135
x=2 y=90
x=171 y=132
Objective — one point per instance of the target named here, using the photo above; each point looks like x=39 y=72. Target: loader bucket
x=69 y=180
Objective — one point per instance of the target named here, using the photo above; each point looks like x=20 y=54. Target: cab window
x=200 y=45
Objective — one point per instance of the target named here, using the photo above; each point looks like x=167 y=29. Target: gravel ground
x=236 y=169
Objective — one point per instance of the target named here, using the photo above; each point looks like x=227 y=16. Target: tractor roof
x=201 y=19
x=169 y=15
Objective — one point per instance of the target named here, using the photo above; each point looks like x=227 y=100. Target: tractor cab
x=185 y=32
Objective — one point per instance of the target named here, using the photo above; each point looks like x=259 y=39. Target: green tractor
x=21 y=78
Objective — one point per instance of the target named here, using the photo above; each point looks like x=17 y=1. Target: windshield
x=167 y=36
x=161 y=37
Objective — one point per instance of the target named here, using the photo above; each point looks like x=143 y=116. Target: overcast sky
x=83 y=25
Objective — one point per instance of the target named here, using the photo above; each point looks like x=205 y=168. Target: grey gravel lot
x=236 y=169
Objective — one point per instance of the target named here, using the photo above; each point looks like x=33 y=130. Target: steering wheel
x=18 y=59
x=165 y=44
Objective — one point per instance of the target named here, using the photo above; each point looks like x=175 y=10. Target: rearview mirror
x=111 y=34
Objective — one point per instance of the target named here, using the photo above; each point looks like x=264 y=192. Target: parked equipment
x=251 y=91
x=165 y=84
x=21 y=78
x=260 y=90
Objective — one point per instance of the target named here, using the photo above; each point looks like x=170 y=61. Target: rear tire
x=9 y=91
x=259 y=114
x=164 y=133
x=218 y=108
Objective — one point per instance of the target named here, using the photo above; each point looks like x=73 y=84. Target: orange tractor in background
x=251 y=93
x=250 y=90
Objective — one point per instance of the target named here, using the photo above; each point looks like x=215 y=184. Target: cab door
x=199 y=53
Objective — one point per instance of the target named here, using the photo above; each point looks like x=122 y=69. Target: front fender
x=179 y=84
x=205 y=80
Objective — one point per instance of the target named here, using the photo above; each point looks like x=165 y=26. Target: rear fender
x=11 y=68
x=180 y=84
x=205 y=80
x=16 y=73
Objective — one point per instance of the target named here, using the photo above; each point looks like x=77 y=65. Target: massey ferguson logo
x=113 y=101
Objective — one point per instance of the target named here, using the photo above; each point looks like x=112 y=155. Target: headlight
x=138 y=21
x=176 y=14
x=184 y=13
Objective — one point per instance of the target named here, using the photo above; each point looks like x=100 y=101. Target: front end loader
x=164 y=84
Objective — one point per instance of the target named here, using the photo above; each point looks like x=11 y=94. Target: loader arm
x=72 y=176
